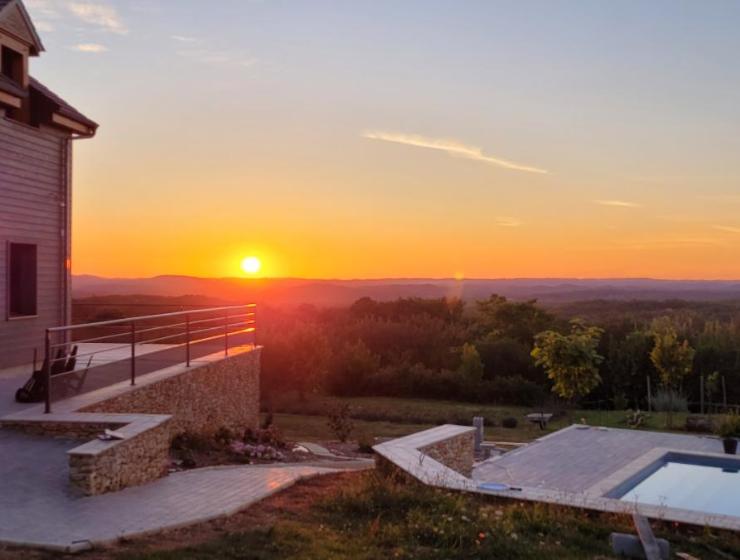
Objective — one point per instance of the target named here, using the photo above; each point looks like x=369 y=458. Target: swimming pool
x=693 y=482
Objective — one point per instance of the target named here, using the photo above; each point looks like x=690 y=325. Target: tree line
x=501 y=351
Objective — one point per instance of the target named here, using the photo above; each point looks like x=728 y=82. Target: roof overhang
x=72 y=125
x=10 y=100
x=35 y=45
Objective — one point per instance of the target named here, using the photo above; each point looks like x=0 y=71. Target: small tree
x=672 y=359
x=471 y=366
x=571 y=361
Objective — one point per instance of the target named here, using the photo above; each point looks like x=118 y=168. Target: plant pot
x=730 y=445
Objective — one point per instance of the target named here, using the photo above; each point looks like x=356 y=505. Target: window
x=12 y=64
x=21 y=280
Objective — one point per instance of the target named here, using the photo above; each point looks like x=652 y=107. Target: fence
x=83 y=357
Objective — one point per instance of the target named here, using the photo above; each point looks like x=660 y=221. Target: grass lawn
x=364 y=516
x=393 y=417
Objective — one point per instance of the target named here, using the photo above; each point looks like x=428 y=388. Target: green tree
x=350 y=369
x=471 y=366
x=519 y=320
x=571 y=360
x=673 y=359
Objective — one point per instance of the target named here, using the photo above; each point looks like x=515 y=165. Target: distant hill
x=291 y=291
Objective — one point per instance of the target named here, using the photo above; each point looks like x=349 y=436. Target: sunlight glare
x=251 y=265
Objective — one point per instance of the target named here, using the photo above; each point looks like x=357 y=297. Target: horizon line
x=413 y=278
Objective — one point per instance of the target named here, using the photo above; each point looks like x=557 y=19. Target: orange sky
x=364 y=141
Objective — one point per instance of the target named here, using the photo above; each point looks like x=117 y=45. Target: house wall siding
x=32 y=162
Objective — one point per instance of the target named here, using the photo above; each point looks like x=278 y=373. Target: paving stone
x=39 y=507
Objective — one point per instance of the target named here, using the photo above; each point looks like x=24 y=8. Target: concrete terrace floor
x=39 y=508
x=574 y=459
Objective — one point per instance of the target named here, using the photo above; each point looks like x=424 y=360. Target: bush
x=729 y=427
x=365 y=443
x=667 y=400
x=340 y=422
x=271 y=436
x=636 y=418
x=509 y=422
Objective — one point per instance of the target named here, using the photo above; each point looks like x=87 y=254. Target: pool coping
x=405 y=453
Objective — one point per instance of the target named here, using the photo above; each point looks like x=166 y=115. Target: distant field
x=393 y=417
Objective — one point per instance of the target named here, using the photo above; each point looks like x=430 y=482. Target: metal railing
x=180 y=329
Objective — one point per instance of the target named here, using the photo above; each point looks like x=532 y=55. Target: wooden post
x=187 y=340
x=47 y=374
x=649 y=395
x=478 y=424
x=133 y=353
x=724 y=394
x=701 y=393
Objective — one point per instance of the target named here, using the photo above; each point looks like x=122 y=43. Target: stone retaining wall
x=214 y=392
x=98 y=467
x=201 y=399
x=456 y=453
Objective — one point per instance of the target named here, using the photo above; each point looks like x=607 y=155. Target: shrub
x=667 y=400
x=340 y=422
x=636 y=418
x=509 y=422
x=192 y=442
x=271 y=436
x=729 y=427
x=365 y=443
x=223 y=436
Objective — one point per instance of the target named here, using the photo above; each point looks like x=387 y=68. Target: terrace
x=145 y=378
x=580 y=466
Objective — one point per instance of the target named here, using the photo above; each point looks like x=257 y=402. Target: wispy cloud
x=93 y=48
x=185 y=39
x=44 y=26
x=732 y=198
x=618 y=203
x=728 y=229
x=207 y=56
x=101 y=15
x=42 y=9
x=451 y=147
x=507 y=221
x=43 y=12
x=670 y=243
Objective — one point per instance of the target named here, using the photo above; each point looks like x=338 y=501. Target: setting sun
x=251 y=265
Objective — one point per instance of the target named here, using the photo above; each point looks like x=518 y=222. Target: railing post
x=187 y=340
x=254 y=326
x=226 y=333
x=133 y=353
x=47 y=373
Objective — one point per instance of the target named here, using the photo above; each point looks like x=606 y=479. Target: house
x=37 y=129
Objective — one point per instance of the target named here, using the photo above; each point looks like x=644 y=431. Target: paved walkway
x=573 y=459
x=39 y=508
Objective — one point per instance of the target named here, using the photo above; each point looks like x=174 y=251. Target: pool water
x=711 y=488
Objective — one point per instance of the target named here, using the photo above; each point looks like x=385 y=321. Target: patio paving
x=574 y=459
x=39 y=508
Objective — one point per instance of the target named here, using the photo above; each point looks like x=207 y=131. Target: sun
x=251 y=265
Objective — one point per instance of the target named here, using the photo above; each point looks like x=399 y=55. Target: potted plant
x=729 y=431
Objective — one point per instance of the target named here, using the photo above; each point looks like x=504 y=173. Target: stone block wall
x=100 y=467
x=201 y=399
x=456 y=453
